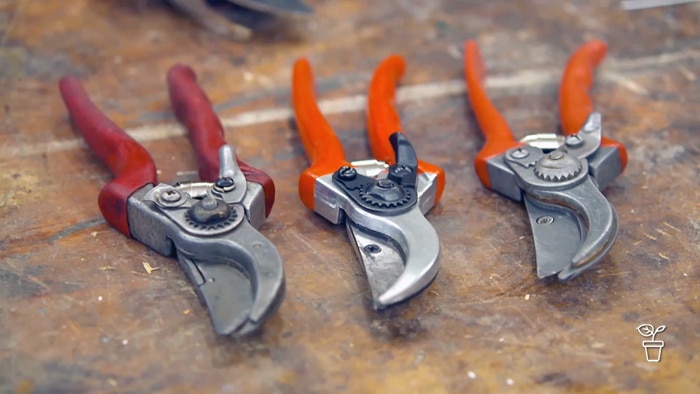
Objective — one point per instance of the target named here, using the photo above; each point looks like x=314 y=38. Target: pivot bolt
x=573 y=140
x=519 y=153
x=209 y=211
x=225 y=184
x=171 y=196
x=347 y=173
x=556 y=155
x=385 y=183
x=209 y=203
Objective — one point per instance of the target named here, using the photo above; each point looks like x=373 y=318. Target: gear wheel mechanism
x=558 y=166
x=216 y=225
x=385 y=193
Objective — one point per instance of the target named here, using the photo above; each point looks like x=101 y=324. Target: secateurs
x=573 y=224
x=210 y=225
x=382 y=201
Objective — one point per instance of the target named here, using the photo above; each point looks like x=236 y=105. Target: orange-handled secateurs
x=382 y=201
x=559 y=178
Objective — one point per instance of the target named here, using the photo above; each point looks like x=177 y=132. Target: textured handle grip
x=575 y=101
x=130 y=163
x=383 y=120
x=322 y=146
x=499 y=138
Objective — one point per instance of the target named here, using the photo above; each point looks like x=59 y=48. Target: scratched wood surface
x=79 y=313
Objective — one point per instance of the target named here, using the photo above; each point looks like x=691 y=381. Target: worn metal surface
x=79 y=312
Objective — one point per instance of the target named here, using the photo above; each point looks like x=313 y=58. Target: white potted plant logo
x=652 y=348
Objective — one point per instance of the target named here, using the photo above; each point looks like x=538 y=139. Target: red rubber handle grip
x=193 y=108
x=575 y=101
x=132 y=166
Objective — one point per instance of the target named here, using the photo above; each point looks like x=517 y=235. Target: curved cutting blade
x=240 y=282
x=399 y=255
x=573 y=229
x=381 y=259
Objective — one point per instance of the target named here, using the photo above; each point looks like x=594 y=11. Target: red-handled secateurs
x=383 y=201
x=210 y=225
x=559 y=178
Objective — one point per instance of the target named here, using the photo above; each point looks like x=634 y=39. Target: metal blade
x=556 y=234
x=408 y=236
x=585 y=220
x=239 y=278
x=225 y=291
x=381 y=259
x=228 y=293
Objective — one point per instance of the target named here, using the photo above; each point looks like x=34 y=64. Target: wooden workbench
x=79 y=312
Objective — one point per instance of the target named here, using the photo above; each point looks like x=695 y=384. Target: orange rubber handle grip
x=575 y=101
x=499 y=138
x=322 y=146
x=383 y=120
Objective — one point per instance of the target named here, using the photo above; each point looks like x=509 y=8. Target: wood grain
x=79 y=313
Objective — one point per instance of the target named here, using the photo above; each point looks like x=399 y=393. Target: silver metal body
x=573 y=224
x=236 y=271
x=399 y=253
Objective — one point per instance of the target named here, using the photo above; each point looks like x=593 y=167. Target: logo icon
x=652 y=348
